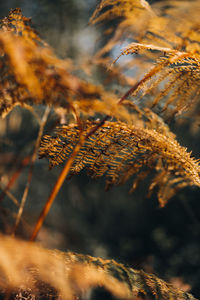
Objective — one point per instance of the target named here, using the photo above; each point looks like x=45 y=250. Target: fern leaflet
x=121 y=151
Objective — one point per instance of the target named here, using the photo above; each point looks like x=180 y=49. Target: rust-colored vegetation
x=121 y=151
x=107 y=133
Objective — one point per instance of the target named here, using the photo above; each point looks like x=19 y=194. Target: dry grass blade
x=121 y=151
x=28 y=268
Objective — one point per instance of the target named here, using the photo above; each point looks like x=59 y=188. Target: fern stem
x=61 y=178
x=12 y=197
x=101 y=123
x=33 y=158
x=14 y=177
x=56 y=188
x=140 y=82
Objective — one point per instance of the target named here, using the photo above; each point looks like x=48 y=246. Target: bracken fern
x=106 y=134
x=158 y=35
x=31 y=271
x=121 y=151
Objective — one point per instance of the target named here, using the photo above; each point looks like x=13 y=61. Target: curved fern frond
x=174 y=81
x=120 y=151
x=181 y=25
x=18 y=24
x=27 y=269
x=133 y=16
x=160 y=24
x=32 y=74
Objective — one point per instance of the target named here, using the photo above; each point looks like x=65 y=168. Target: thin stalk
x=56 y=188
x=14 y=177
x=66 y=169
x=12 y=198
x=33 y=158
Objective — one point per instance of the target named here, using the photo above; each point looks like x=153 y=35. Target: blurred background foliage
x=84 y=218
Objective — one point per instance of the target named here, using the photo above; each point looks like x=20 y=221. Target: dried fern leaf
x=133 y=14
x=173 y=24
x=182 y=23
x=18 y=24
x=146 y=118
x=120 y=151
x=28 y=268
x=119 y=8
x=32 y=74
x=158 y=38
x=178 y=72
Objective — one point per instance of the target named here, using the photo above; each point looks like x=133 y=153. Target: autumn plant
x=124 y=136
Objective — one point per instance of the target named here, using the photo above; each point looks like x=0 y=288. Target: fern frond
x=178 y=72
x=133 y=15
x=32 y=74
x=37 y=272
x=120 y=151
x=146 y=118
x=18 y=24
x=160 y=24
x=181 y=25
x=161 y=38
x=119 y=8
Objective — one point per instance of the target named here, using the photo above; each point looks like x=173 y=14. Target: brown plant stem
x=61 y=178
x=56 y=188
x=33 y=158
x=66 y=169
x=14 y=177
x=12 y=197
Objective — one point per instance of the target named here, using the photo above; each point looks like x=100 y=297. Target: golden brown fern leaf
x=27 y=269
x=119 y=8
x=28 y=73
x=32 y=74
x=134 y=16
x=120 y=151
x=28 y=69
x=173 y=24
x=182 y=25
x=163 y=38
x=174 y=81
x=16 y=23
x=146 y=118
